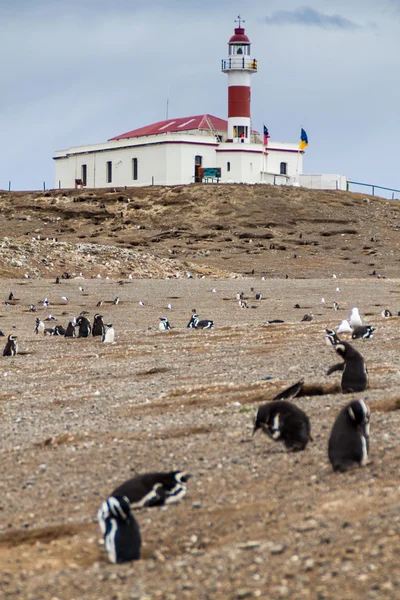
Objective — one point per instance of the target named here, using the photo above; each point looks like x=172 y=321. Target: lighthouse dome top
x=239 y=37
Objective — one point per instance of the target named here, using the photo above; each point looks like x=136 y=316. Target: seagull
x=64 y=298
x=141 y=303
x=344 y=327
x=214 y=291
x=169 y=306
x=355 y=319
x=81 y=289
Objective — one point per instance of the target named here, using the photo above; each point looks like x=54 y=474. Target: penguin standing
x=70 y=331
x=154 y=489
x=98 y=325
x=40 y=326
x=349 y=440
x=122 y=539
x=164 y=324
x=84 y=327
x=286 y=422
x=11 y=348
x=109 y=334
x=355 y=375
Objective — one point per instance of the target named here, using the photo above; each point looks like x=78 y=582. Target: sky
x=75 y=72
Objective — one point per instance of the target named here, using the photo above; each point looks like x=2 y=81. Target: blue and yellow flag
x=303 y=139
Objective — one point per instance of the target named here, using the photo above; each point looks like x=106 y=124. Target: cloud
x=306 y=15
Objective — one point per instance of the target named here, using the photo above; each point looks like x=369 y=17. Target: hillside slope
x=222 y=229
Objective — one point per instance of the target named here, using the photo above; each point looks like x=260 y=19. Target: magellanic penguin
x=40 y=326
x=386 y=313
x=164 y=324
x=363 y=331
x=154 y=489
x=11 y=348
x=286 y=422
x=195 y=323
x=122 y=539
x=349 y=440
x=84 y=327
x=109 y=334
x=355 y=376
x=70 y=331
x=98 y=325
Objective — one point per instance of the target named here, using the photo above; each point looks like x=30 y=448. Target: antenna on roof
x=166 y=114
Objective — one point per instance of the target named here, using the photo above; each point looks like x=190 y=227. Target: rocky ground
x=79 y=417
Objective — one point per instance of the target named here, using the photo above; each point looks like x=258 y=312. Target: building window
x=228 y=166
x=283 y=169
x=134 y=168
x=198 y=160
x=109 y=171
x=84 y=174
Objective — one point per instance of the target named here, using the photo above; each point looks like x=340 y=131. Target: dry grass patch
x=387 y=405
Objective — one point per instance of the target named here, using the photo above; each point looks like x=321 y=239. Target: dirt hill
x=275 y=231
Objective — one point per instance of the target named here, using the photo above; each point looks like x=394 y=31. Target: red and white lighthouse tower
x=239 y=67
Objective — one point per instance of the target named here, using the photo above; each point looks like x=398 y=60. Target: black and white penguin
x=116 y=300
x=122 y=539
x=84 y=327
x=32 y=308
x=11 y=296
x=98 y=325
x=258 y=296
x=286 y=422
x=354 y=377
x=386 y=313
x=195 y=323
x=363 y=331
x=154 y=489
x=11 y=348
x=70 y=331
x=349 y=440
x=164 y=324
x=59 y=330
x=332 y=337
x=109 y=334
x=40 y=326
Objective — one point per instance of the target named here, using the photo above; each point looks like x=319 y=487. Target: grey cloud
x=306 y=15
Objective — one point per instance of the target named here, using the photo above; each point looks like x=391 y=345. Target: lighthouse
x=239 y=67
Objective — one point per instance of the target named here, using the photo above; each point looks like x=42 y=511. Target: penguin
x=1 y=333
x=349 y=440
x=84 y=326
x=164 y=324
x=335 y=306
x=116 y=300
x=286 y=422
x=291 y=391
x=32 y=308
x=258 y=296
x=98 y=325
x=355 y=319
x=332 y=337
x=59 y=330
x=46 y=303
x=57 y=280
x=122 y=539
x=50 y=331
x=355 y=376
x=100 y=303
x=386 y=313
x=307 y=317
x=109 y=334
x=10 y=296
x=363 y=331
x=40 y=326
x=195 y=323
x=11 y=348
x=154 y=489
x=70 y=331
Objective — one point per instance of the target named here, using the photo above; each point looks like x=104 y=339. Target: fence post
x=44 y=186
x=373 y=190
x=9 y=186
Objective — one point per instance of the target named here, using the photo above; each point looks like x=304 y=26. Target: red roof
x=176 y=125
x=239 y=36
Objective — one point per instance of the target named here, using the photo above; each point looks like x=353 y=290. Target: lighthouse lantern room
x=239 y=67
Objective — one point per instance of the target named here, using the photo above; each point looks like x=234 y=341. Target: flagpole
x=298 y=157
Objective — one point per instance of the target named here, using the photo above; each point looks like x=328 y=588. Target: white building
x=192 y=149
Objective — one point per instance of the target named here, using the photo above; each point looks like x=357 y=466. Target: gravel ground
x=79 y=417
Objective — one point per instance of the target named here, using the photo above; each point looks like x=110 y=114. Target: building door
x=198 y=161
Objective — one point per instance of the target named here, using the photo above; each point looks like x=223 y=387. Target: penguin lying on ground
x=195 y=323
x=349 y=440
x=355 y=375
x=121 y=532
x=154 y=489
x=363 y=331
x=286 y=422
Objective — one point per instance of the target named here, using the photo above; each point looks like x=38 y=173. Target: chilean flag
x=266 y=136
